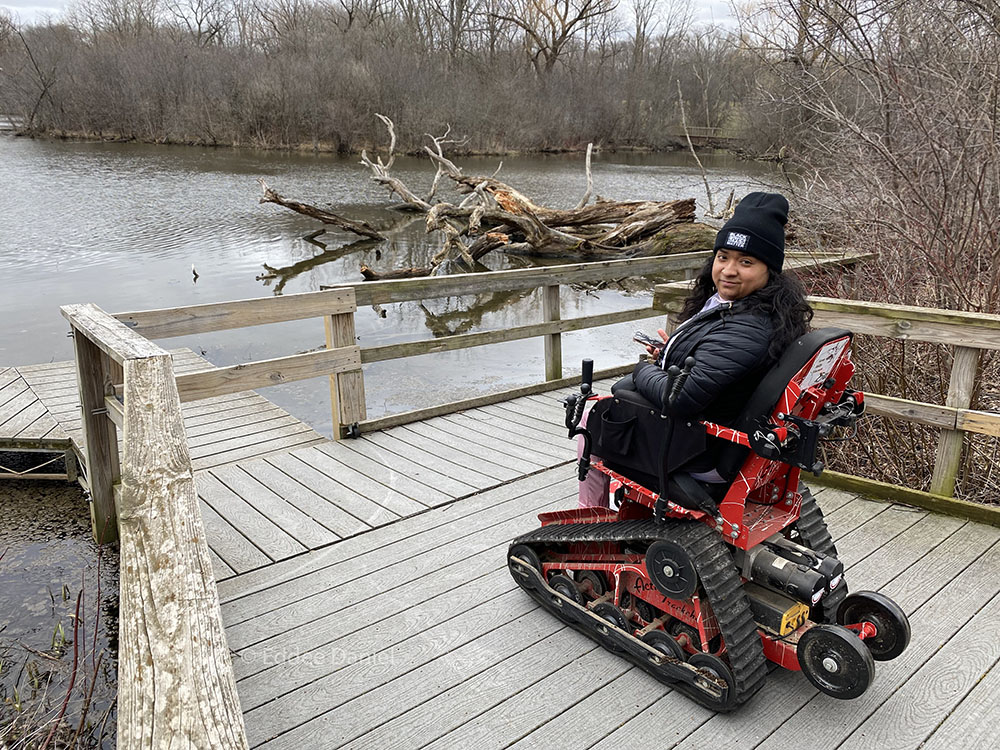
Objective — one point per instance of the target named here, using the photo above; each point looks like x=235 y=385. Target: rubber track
x=716 y=571
x=813 y=533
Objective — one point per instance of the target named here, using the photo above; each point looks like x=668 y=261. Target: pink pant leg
x=595 y=488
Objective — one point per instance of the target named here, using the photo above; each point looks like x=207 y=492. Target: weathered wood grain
x=386 y=537
x=220 y=316
x=176 y=686
x=242 y=377
x=949 y=449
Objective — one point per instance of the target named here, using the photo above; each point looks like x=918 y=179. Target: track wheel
x=893 y=629
x=719 y=669
x=592 y=582
x=565 y=586
x=664 y=643
x=611 y=614
x=671 y=570
x=836 y=661
x=524 y=552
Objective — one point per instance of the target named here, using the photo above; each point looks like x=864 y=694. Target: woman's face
x=736 y=275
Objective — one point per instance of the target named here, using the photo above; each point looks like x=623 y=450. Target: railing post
x=553 y=341
x=95 y=373
x=347 y=389
x=949 y=450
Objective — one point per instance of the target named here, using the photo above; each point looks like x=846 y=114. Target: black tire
x=836 y=661
x=890 y=621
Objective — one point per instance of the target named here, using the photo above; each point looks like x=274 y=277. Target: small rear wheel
x=592 y=582
x=611 y=614
x=836 y=661
x=891 y=625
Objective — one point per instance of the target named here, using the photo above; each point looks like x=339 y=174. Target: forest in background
x=505 y=74
x=883 y=115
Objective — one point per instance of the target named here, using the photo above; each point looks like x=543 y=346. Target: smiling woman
x=742 y=313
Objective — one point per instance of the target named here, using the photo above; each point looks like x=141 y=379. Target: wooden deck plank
x=219 y=567
x=364 y=460
x=244 y=516
x=394 y=493
x=548 y=425
x=527 y=709
x=264 y=417
x=441 y=462
x=349 y=707
x=877 y=531
x=588 y=721
x=913 y=712
x=850 y=516
x=210 y=458
x=299 y=466
x=230 y=545
x=421 y=529
x=301 y=597
x=455 y=453
x=673 y=717
x=440 y=486
x=318 y=507
x=254 y=434
x=974 y=722
x=13 y=407
x=23 y=421
x=315 y=597
x=959 y=593
x=494 y=445
x=515 y=436
x=272 y=506
x=45 y=427
x=454 y=437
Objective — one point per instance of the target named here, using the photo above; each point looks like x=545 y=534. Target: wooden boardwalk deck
x=367 y=603
x=414 y=635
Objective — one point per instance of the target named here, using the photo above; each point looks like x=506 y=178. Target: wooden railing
x=966 y=333
x=175 y=678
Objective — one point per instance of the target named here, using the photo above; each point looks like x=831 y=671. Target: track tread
x=716 y=571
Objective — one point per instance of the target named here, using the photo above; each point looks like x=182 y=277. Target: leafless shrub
x=886 y=113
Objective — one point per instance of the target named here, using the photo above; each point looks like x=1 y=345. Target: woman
x=740 y=316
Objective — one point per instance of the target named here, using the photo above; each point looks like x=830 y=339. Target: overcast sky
x=706 y=11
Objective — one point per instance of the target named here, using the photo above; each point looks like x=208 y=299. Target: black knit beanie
x=757 y=228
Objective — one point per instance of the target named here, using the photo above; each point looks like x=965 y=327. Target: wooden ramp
x=414 y=635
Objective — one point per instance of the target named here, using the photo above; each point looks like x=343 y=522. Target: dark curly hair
x=782 y=299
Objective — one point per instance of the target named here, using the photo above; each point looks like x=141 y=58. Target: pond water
x=121 y=225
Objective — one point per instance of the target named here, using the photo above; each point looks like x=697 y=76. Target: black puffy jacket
x=730 y=347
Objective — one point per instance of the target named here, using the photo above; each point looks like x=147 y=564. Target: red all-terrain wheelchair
x=701 y=584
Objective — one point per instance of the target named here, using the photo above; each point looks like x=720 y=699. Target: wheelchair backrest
x=813 y=371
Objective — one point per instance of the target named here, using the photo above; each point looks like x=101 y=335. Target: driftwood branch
x=358 y=227
x=495 y=216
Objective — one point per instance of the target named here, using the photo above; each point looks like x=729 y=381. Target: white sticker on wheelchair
x=823 y=364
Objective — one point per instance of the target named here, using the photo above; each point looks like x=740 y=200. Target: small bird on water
x=194 y=273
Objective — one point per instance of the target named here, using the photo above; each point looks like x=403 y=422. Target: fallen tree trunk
x=495 y=216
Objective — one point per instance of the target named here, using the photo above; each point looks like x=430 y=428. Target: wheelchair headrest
x=796 y=357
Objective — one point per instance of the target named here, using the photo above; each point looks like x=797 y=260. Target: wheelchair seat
x=634 y=438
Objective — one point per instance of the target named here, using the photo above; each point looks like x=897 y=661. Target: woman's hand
x=654 y=351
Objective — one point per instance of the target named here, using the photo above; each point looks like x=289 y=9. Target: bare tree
x=550 y=26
